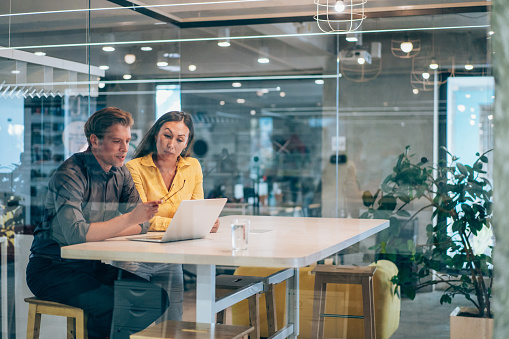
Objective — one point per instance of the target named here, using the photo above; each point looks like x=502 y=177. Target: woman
x=163 y=170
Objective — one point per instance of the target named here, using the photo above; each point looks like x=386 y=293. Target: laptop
x=193 y=220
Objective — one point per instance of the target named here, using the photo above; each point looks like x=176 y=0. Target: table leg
x=206 y=294
x=293 y=302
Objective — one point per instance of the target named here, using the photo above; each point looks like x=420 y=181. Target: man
x=91 y=197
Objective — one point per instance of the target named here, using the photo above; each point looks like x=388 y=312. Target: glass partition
x=289 y=121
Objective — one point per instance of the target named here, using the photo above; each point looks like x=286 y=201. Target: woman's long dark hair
x=148 y=143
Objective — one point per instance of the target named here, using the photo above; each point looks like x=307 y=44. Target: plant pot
x=465 y=327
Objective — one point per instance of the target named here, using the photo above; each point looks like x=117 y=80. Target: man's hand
x=215 y=227
x=145 y=211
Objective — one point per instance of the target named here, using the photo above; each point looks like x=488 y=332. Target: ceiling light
x=253 y=112
x=224 y=43
x=433 y=64
x=127 y=76
x=241 y=101
x=282 y=94
x=319 y=81
x=171 y=55
x=224 y=32
x=192 y=68
x=129 y=58
x=263 y=56
x=491 y=32
x=265 y=90
x=469 y=66
x=407 y=46
x=15 y=71
x=104 y=67
x=461 y=108
x=339 y=6
x=361 y=61
x=490 y=117
x=40 y=53
x=425 y=75
x=351 y=37
x=146 y=48
x=236 y=84
x=468 y=96
x=415 y=91
x=162 y=64
x=263 y=60
x=473 y=116
x=472 y=122
x=221 y=102
x=108 y=48
x=102 y=85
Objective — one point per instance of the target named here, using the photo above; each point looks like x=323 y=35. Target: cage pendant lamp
x=350 y=18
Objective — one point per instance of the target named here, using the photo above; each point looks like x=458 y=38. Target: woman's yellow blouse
x=150 y=185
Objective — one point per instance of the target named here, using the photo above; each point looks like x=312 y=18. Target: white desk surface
x=287 y=242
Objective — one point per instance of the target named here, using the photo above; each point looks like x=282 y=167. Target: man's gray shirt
x=80 y=192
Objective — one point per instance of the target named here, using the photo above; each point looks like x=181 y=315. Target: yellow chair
x=341 y=299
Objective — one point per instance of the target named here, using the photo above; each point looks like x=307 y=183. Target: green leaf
x=463 y=170
x=403 y=213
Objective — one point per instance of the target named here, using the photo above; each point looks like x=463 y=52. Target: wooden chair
x=329 y=274
x=76 y=318
x=183 y=329
x=227 y=283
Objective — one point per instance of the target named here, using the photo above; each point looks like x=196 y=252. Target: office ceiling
x=286 y=28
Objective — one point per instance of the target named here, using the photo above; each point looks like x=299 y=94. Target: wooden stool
x=235 y=282
x=328 y=274
x=183 y=329
x=76 y=318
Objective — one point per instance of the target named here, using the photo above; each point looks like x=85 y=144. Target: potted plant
x=461 y=198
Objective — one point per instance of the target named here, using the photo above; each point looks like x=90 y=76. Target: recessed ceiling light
x=104 y=67
x=282 y=94
x=101 y=85
x=468 y=96
x=192 y=68
x=265 y=90
x=415 y=91
x=263 y=60
x=236 y=84
x=241 y=101
x=127 y=76
x=224 y=43
x=221 y=102
x=361 y=61
x=162 y=64
x=425 y=75
x=253 y=112
x=473 y=116
x=129 y=59
x=469 y=66
x=40 y=53
x=146 y=48
x=108 y=48
x=15 y=71
x=319 y=81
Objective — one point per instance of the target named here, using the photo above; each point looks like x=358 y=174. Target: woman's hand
x=215 y=227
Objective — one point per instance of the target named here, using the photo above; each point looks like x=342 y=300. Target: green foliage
x=461 y=199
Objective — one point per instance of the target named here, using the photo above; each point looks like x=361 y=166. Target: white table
x=285 y=242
